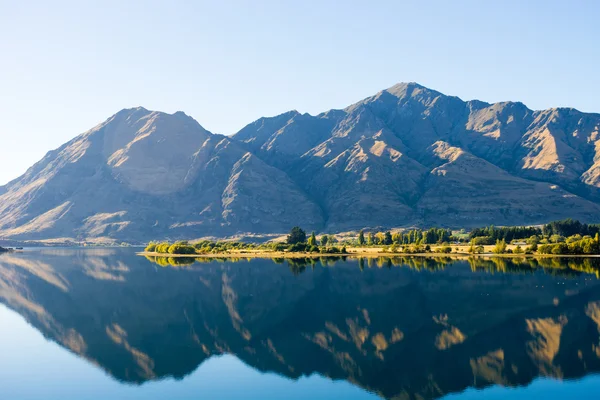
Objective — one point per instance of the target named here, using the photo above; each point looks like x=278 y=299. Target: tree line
x=414 y=236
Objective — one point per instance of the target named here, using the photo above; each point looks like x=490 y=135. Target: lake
x=107 y=324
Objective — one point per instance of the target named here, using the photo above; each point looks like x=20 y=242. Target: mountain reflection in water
x=399 y=327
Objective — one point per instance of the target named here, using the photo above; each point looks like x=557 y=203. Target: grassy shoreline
x=354 y=254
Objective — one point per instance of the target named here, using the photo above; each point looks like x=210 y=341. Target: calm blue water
x=104 y=323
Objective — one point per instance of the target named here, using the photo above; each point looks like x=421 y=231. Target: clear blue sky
x=66 y=66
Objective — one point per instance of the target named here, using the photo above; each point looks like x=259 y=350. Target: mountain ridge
x=406 y=156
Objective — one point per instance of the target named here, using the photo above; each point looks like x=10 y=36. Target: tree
x=297 y=235
x=324 y=240
x=370 y=239
x=387 y=238
x=361 y=237
x=312 y=240
x=181 y=248
x=151 y=247
x=500 y=247
x=472 y=247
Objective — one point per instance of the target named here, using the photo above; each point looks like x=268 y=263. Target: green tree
x=472 y=247
x=297 y=235
x=151 y=247
x=387 y=238
x=181 y=248
x=500 y=247
x=324 y=240
x=361 y=237
x=370 y=239
x=312 y=240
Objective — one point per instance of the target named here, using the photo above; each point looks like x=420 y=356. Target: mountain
x=394 y=331
x=144 y=174
x=407 y=156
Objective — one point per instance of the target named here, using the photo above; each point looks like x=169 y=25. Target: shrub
x=560 y=248
x=533 y=248
x=445 y=249
x=297 y=247
x=279 y=247
x=545 y=249
x=179 y=248
x=163 y=247
x=482 y=240
x=557 y=239
x=500 y=247
x=151 y=247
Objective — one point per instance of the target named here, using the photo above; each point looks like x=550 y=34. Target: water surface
x=105 y=323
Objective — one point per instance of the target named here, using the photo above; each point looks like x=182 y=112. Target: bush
x=557 y=239
x=545 y=249
x=297 y=247
x=500 y=247
x=151 y=247
x=179 y=248
x=279 y=247
x=533 y=248
x=445 y=249
x=482 y=240
x=163 y=247
x=560 y=248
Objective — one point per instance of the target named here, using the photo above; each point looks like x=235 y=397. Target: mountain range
x=407 y=156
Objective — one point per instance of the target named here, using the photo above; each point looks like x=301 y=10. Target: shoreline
x=370 y=254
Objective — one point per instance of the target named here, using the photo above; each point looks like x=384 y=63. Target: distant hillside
x=403 y=157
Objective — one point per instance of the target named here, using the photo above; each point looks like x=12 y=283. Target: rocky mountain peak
x=406 y=156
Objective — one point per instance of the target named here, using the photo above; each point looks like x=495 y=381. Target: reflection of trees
x=172 y=261
x=560 y=266
x=186 y=261
x=298 y=265
x=417 y=263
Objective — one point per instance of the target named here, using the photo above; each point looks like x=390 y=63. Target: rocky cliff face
x=406 y=156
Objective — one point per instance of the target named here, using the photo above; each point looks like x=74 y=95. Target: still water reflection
x=355 y=329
